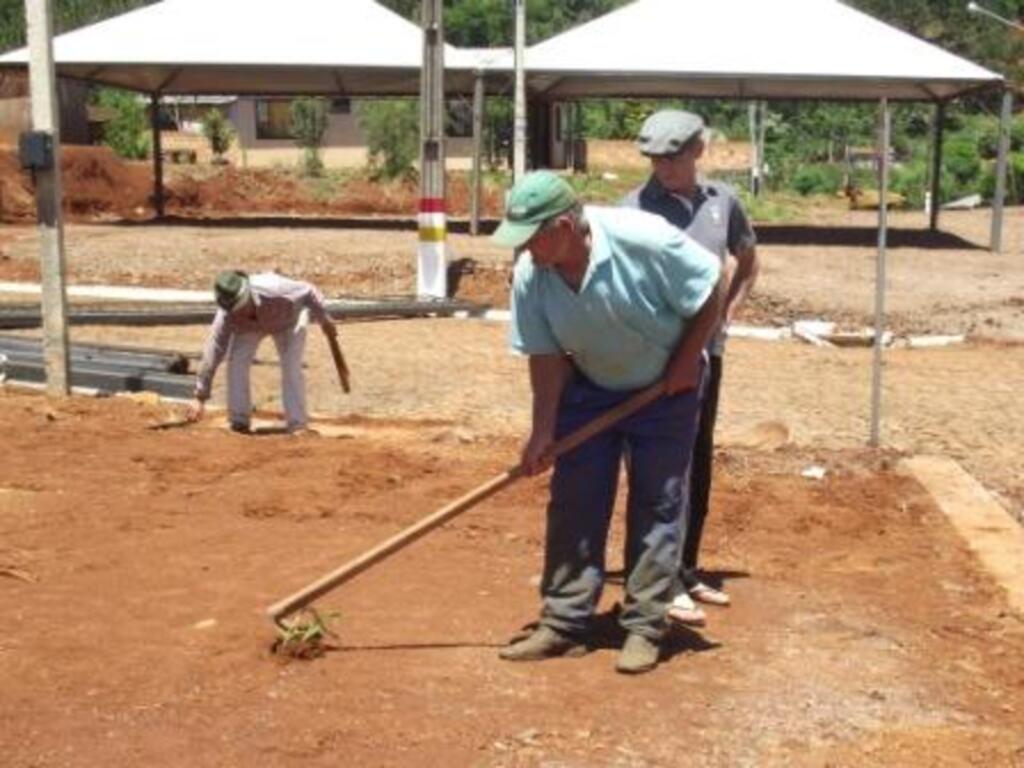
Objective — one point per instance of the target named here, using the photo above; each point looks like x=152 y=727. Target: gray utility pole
x=41 y=152
x=476 y=198
x=519 y=121
x=431 y=272
x=999 y=198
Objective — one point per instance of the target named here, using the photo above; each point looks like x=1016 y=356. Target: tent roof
x=746 y=49
x=347 y=47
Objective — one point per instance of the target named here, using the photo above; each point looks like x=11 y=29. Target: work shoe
x=682 y=610
x=543 y=643
x=704 y=593
x=242 y=429
x=639 y=654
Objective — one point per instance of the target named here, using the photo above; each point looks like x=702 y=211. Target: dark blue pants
x=659 y=439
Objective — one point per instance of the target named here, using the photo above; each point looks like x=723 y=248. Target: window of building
x=273 y=119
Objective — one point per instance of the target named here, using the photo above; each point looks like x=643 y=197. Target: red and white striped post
x=432 y=266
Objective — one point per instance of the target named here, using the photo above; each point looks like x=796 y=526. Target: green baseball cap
x=231 y=290
x=667 y=131
x=534 y=199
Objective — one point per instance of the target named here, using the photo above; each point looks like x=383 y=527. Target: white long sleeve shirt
x=275 y=306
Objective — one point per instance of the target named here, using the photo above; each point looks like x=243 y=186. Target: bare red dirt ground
x=862 y=630
x=135 y=564
x=99 y=186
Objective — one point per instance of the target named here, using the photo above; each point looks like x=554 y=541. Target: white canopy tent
x=747 y=49
x=752 y=49
x=262 y=47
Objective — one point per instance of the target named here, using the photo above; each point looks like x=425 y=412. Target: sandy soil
x=824 y=268
x=862 y=632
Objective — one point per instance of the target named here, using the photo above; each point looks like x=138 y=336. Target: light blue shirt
x=645 y=280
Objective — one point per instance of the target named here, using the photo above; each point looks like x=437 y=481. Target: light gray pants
x=290 y=347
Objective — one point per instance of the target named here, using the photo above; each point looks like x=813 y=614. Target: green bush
x=1014 y=180
x=392 y=130
x=218 y=132
x=911 y=181
x=818 y=179
x=962 y=166
x=308 y=123
x=128 y=132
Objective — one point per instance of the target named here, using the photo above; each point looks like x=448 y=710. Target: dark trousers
x=659 y=438
x=700 y=471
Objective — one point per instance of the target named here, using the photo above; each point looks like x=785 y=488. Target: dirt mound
x=99 y=185
x=96 y=184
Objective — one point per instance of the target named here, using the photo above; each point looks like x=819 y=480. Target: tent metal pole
x=158 y=154
x=478 y=144
x=46 y=124
x=883 y=223
x=935 y=202
x=432 y=268
x=519 y=120
x=999 y=198
x=755 y=159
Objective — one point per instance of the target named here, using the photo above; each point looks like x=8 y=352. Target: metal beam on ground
x=46 y=123
x=29 y=317
x=880 y=270
x=108 y=378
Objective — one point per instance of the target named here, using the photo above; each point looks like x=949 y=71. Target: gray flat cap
x=665 y=132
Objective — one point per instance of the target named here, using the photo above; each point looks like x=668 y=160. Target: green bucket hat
x=534 y=199
x=231 y=290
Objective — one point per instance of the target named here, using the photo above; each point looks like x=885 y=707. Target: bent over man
x=606 y=302
x=250 y=309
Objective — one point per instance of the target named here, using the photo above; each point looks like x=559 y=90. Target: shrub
x=392 y=136
x=962 y=167
x=128 y=131
x=308 y=123
x=910 y=181
x=218 y=132
x=818 y=179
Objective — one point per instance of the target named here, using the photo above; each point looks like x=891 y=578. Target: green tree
x=218 y=132
x=392 y=135
x=309 y=121
x=68 y=15
x=127 y=132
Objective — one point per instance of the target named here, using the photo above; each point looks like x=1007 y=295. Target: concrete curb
x=987 y=528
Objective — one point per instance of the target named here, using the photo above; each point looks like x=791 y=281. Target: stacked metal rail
x=23 y=316
x=103 y=368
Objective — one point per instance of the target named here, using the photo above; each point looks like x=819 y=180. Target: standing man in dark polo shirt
x=711 y=214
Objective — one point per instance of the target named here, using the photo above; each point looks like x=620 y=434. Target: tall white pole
x=431 y=271
x=519 y=121
x=883 y=224
x=46 y=124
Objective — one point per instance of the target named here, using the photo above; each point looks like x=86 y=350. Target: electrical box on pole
x=40 y=152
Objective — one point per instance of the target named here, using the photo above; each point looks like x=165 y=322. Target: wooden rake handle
x=407 y=536
x=339 y=362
